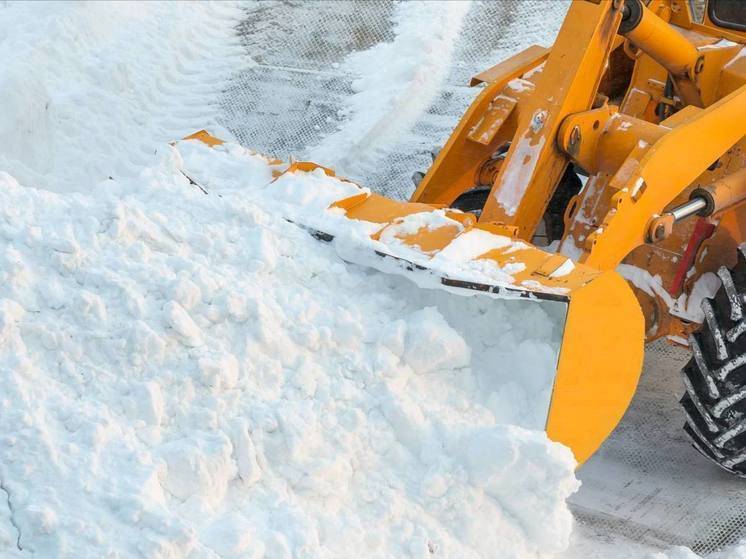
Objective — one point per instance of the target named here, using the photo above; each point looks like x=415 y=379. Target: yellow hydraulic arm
x=534 y=164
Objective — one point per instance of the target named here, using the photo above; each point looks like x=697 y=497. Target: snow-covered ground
x=184 y=373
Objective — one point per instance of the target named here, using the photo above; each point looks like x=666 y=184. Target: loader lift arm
x=568 y=84
x=644 y=189
x=552 y=123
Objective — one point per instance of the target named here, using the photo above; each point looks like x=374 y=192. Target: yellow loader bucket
x=601 y=352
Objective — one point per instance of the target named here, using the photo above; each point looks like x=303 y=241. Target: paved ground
x=646 y=484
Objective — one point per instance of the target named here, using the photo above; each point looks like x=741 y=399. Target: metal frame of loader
x=600 y=100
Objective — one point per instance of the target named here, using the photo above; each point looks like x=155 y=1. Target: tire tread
x=714 y=401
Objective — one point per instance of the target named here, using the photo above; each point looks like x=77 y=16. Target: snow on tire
x=715 y=378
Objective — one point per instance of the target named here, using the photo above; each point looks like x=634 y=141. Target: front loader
x=620 y=151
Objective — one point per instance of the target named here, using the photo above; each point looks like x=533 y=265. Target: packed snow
x=186 y=373
x=687 y=306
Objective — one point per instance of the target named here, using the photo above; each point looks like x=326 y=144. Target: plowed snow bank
x=397 y=82
x=188 y=373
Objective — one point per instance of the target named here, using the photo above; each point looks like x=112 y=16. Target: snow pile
x=396 y=82
x=191 y=374
x=188 y=374
x=89 y=90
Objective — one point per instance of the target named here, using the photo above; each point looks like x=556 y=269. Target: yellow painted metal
x=670 y=49
x=600 y=140
x=732 y=74
x=484 y=131
x=725 y=193
x=513 y=66
x=599 y=366
x=567 y=85
x=538 y=265
x=733 y=225
x=378 y=209
x=308 y=166
x=205 y=137
x=459 y=162
x=649 y=185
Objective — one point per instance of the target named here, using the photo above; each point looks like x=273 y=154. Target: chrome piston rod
x=693 y=206
x=661 y=226
x=725 y=193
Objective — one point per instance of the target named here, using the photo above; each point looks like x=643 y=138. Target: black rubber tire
x=473 y=201
x=714 y=402
x=554 y=217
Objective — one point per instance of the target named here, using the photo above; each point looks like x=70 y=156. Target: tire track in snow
x=145 y=74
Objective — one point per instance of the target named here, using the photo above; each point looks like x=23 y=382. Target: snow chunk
x=178 y=319
x=431 y=344
x=494 y=463
x=200 y=465
x=470 y=245
x=219 y=372
x=564 y=269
